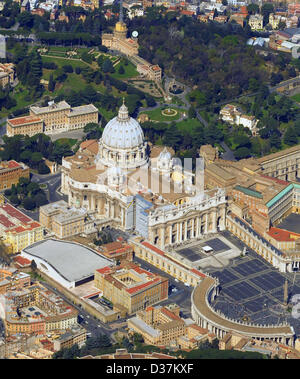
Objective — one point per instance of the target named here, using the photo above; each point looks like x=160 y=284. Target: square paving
x=217 y=244
x=291 y=223
x=252 y=287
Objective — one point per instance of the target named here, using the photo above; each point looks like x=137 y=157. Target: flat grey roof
x=72 y=261
x=145 y=327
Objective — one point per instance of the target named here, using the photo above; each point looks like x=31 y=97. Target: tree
x=36 y=158
x=43 y=169
x=121 y=70
x=89 y=94
x=242 y=153
x=40 y=199
x=192 y=112
x=297 y=128
x=172 y=137
x=51 y=84
x=275 y=140
x=290 y=137
x=14 y=199
x=33 y=265
x=150 y=101
x=36 y=64
x=107 y=66
x=67 y=68
x=25 y=156
x=28 y=203
x=26 y=20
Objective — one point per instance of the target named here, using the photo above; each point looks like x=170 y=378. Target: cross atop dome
x=123 y=112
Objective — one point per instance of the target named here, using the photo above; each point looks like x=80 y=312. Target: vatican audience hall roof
x=71 y=261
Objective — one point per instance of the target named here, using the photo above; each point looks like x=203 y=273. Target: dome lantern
x=123 y=113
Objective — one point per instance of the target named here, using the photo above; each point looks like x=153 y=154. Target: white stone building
x=139 y=188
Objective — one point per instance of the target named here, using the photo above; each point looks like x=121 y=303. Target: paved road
x=92 y=325
x=53 y=182
x=182 y=297
x=228 y=155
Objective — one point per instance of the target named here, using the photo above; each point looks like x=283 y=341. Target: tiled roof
x=13 y=212
x=22 y=261
x=24 y=120
x=147 y=244
x=197 y=272
x=6 y=222
x=282 y=235
x=142 y=286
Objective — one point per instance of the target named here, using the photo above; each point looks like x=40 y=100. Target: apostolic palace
x=141 y=187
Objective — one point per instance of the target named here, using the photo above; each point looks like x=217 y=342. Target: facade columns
x=206 y=223
x=180 y=232
x=192 y=230
x=162 y=235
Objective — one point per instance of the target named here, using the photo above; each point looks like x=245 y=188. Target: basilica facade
x=140 y=188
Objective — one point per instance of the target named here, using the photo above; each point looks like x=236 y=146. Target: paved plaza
x=253 y=290
x=291 y=223
x=223 y=252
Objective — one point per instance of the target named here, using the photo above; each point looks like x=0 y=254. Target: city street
x=183 y=295
x=92 y=325
x=53 y=182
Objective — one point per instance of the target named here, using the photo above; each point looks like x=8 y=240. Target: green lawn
x=70 y=141
x=20 y=97
x=188 y=124
x=130 y=71
x=296 y=97
x=63 y=61
x=156 y=115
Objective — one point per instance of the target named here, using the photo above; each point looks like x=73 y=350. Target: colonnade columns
x=185 y=230
x=206 y=223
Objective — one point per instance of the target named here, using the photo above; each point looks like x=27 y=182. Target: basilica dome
x=123 y=131
x=122 y=142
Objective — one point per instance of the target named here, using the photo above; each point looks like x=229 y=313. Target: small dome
x=123 y=132
x=165 y=155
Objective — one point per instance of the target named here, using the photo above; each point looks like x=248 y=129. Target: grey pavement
x=183 y=295
x=92 y=325
x=228 y=154
x=252 y=287
x=76 y=134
